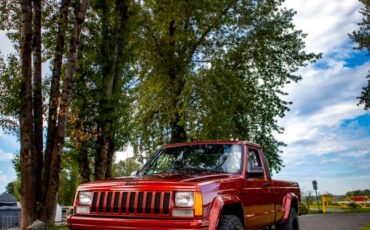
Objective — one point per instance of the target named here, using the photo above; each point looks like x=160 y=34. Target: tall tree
x=112 y=60
x=215 y=70
x=101 y=100
x=55 y=89
x=37 y=93
x=51 y=186
x=362 y=38
x=39 y=195
x=27 y=150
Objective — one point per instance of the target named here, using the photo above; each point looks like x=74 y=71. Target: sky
x=326 y=132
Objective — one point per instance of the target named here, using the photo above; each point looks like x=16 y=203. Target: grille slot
x=124 y=202
x=116 y=200
x=132 y=202
x=157 y=202
x=140 y=202
x=166 y=203
x=109 y=202
x=101 y=202
x=148 y=202
x=94 y=201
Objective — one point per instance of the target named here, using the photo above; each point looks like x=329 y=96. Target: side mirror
x=134 y=173
x=255 y=172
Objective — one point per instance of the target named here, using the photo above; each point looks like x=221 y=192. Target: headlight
x=82 y=210
x=85 y=198
x=184 y=199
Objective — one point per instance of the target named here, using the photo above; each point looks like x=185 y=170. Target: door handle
x=266 y=184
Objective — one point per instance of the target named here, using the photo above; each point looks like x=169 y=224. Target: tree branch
x=208 y=30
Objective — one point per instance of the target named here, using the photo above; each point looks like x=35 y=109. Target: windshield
x=196 y=158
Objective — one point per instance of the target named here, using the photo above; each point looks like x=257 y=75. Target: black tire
x=292 y=223
x=230 y=222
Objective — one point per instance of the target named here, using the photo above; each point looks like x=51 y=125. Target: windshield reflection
x=215 y=158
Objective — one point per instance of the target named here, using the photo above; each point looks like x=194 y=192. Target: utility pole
x=314 y=184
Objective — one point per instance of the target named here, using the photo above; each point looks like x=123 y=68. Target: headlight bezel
x=180 y=199
x=85 y=198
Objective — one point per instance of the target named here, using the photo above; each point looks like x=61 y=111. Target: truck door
x=257 y=193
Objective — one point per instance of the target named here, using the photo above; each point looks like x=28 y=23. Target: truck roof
x=210 y=142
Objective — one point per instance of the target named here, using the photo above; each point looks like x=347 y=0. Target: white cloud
x=3 y=182
x=321 y=102
x=319 y=146
x=326 y=22
x=6 y=156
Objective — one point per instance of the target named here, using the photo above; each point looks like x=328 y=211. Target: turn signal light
x=198 y=204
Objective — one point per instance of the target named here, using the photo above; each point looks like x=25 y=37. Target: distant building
x=7 y=200
x=9 y=212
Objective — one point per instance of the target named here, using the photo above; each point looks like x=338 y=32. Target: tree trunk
x=49 y=207
x=108 y=169
x=27 y=165
x=54 y=92
x=178 y=132
x=83 y=162
x=37 y=95
x=101 y=157
x=112 y=70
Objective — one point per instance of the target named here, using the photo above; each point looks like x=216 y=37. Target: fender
x=218 y=203
x=287 y=204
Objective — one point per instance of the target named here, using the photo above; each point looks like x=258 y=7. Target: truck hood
x=170 y=181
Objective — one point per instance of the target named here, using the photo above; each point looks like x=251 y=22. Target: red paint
x=358 y=198
x=287 y=205
x=264 y=201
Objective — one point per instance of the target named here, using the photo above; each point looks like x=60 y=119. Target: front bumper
x=76 y=222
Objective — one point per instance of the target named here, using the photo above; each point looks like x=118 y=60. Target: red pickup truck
x=213 y=185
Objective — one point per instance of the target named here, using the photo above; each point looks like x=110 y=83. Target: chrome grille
x=131 y=202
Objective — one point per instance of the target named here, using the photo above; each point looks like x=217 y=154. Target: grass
x=59 y=227
x=366 y=227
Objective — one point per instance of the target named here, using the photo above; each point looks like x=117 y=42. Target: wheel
x=230 y=222
x=292 y=222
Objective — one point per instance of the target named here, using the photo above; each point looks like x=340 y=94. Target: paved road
x=342 y=221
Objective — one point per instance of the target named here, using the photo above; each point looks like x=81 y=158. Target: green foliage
x=362 y=38
x=14 y=188
x=354 y=205
x=68 y=178
x=365 y=192
x=10 y=20
x=184 y=70
x=304 y=209
x=307 y=202
x=125 y=168
x=101 y=100
x=367 y=227
x=362 y=35
x=216 y=70
x=10 y=82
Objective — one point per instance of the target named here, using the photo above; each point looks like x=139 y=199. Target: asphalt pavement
x=340 y=221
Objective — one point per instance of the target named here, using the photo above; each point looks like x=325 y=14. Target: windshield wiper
x=196 y=170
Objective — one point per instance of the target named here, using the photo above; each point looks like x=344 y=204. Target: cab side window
x=254 y=164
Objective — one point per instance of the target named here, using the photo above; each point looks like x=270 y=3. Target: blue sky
x=328 y=135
